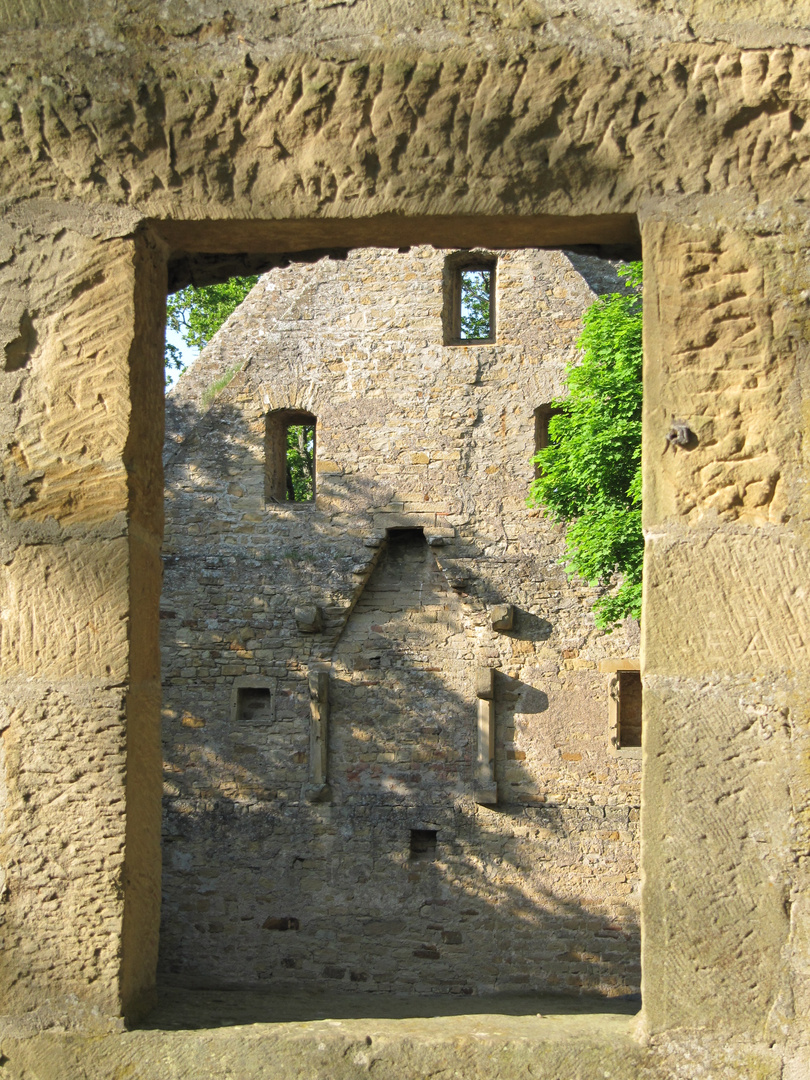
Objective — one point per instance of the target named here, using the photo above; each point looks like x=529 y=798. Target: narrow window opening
x=543 y=415
x=290 y=457
x=469 y=316
x=423 y=845
x=475 y=304
x=629 y=709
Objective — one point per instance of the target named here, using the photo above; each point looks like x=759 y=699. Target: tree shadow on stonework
x=237 y=866
x=236 y=861
x=184 y=1010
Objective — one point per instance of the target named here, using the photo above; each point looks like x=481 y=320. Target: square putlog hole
x=255 y=705
x=423 y=845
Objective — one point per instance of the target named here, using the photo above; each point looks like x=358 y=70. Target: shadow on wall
x=180 y=1010
x=263 y=889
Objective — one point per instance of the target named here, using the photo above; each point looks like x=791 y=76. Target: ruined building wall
x=144 y=145
x=269 y=880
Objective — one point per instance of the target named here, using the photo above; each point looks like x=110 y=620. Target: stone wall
x=159 y=143
x=264 y=885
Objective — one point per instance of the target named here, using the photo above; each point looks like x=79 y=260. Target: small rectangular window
x=625 y=717
x=469 y=284
x=290 y=457
x=423 y=845
x=255 y=704
x=542 y=418
x=629 y=709
x=252 y=706
x=475 y=304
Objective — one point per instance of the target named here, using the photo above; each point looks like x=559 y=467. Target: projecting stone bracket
x=502 y=616
x=309 y=619
x=318 y=790
x=486 y=788
x=439 y=536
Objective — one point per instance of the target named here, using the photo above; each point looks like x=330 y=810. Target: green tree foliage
x=590 y=473
x=300 y=462
x=475 y=297
x=197 y=314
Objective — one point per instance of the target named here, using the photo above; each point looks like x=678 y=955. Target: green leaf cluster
x=300 y=462
x=475 y=322
x=590 y=473
x=197 y=314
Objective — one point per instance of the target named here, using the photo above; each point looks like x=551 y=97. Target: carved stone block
x=484 y=682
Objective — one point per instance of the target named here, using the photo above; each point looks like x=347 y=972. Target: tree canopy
x=197 y=314
x=590 y=473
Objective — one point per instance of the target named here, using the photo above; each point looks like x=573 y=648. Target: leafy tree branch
x=590 y=473
x=197 y=314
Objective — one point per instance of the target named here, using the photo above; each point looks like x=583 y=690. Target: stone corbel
x=309 y=618
x=486 y=788
x=502 y=616
x=318 y=789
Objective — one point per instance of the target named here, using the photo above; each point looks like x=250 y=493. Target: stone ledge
x=255 y=1035
x=206 y=1035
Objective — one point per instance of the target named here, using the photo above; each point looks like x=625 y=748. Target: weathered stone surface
x=309 y=619
x=330 y=111
x=242 y=135
x=202 y=1036
x=484 y=682
x=79 y=600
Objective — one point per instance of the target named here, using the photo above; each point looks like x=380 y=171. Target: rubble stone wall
x=538 y=891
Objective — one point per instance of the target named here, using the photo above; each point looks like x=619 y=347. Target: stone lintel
x=610 y=666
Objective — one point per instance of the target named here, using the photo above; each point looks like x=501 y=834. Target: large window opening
x=401 y=681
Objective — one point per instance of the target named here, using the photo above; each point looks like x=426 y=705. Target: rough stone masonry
x=418 y=534
x=147 y=145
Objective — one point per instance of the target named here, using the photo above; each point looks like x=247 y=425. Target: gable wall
x=540 y=891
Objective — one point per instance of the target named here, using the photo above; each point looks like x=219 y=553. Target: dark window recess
x=423 y=845
x=290 y=457
x=255 y=704
x=629 y=733
x=469 y=298
x=542 y=418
